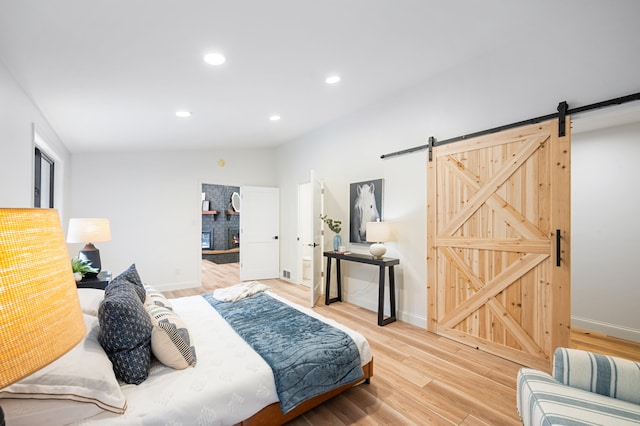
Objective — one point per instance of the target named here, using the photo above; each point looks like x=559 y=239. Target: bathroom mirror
x=235 y=202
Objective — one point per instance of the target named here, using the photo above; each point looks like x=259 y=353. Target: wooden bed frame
x=272 y=414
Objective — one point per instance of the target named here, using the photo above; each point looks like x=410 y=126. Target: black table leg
x=381 y=296
x=392 y=297
x=328 y=282
x=327 y=298
x=339 y=279
x=392 y=293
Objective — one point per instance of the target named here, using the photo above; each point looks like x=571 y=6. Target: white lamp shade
x=378 y=232
x=88 y=230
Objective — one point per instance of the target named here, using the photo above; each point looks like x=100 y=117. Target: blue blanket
x=308 y=357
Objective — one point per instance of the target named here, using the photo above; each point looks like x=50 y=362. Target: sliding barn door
x=498 y=242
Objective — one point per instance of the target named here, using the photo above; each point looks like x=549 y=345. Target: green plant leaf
x=334 y=225
x=81 y=265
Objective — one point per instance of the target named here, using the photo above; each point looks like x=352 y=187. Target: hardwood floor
x=419 y=378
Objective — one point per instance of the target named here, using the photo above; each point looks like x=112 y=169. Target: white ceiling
x=109 y=75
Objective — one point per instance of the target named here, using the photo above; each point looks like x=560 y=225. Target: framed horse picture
x=365 y=205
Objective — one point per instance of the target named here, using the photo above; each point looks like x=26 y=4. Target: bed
x=230 y=383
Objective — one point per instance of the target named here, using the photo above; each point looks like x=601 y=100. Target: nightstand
x=100 y=282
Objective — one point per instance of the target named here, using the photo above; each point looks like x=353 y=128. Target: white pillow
x=50 y=412
x=154 y=297
x=90 y=299
x=171 y=341
x=83 y=375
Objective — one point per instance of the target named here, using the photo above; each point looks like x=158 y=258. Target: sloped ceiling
x=110 y=74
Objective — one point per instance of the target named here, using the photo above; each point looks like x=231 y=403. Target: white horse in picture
x=364 y=210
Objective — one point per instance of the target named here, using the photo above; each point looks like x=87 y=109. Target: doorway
x=304 y=238
x=309 y=241
x=225 y=231
x=220 y=224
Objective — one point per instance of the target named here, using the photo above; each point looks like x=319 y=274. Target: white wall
x=153 y=202
x=606 y=231
x=526 y=78
x=339 y=160
x=18 y=116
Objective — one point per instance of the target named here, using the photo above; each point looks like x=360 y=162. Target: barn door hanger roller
x=563 y=107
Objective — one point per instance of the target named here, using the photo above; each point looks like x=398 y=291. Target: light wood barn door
x=495 y=204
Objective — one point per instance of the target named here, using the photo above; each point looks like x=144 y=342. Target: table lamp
x=89 y=231
x=40 y=315
x=378 y=233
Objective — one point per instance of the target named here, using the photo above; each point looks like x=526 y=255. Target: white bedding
x=230 y=382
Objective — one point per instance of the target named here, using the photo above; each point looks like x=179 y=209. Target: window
x=48 y=174
x=44 y=180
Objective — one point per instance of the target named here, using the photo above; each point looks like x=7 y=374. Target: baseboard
x=412 y=319
x=292 y=280
x=176 y=286
x=372 y=305
x=613 y=330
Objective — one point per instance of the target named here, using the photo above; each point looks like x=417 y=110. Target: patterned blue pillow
x=125 y=332
x=131 y=275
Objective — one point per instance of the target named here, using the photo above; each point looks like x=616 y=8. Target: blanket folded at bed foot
x=308 y=357
x=239 y=291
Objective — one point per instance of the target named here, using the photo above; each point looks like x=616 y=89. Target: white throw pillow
x=171 y=341
x=154 y=297
x=83 y=378
x=90 y=299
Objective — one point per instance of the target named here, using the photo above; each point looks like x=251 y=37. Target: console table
x=385 y=262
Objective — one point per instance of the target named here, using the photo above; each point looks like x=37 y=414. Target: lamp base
x=92 y=254
x=377 y=250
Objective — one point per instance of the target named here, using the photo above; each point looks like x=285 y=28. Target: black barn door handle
x=558 y=247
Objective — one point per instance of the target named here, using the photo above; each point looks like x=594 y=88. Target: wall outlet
x=286 y=274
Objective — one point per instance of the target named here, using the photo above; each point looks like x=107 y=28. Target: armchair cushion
x=606 y=375
x=542 y=400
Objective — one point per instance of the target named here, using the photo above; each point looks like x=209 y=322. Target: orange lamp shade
x=40 y=314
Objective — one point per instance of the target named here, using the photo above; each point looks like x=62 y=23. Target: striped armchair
x=585 y=389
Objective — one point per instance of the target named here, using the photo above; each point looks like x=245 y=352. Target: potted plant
x=335 y=226
x=81 y=267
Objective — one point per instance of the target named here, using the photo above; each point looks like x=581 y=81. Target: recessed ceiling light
x=333 y=79
x=274 y=118
x=215 y=58
x=183 y=114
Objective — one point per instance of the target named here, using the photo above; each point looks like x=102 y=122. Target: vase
x=337 y=242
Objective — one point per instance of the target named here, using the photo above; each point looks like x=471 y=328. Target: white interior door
x=304 y=246
x=317 y=189
x=259 y=233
